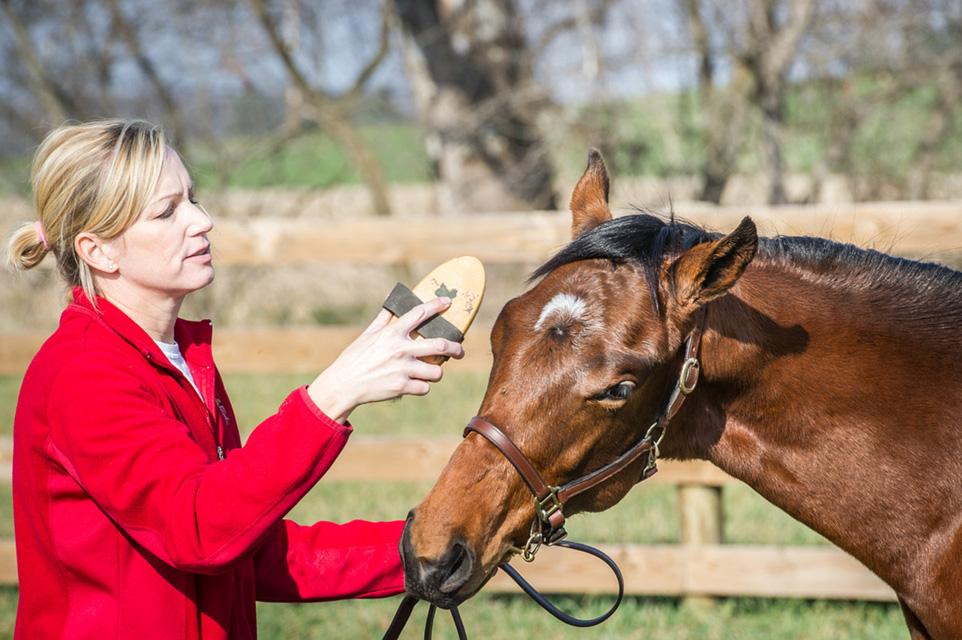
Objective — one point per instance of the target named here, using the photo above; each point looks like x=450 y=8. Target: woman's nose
x=203 y=222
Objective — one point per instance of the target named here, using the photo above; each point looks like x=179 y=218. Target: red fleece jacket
x=127 y=523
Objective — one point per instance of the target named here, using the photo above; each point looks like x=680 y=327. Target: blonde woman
x=138 y=513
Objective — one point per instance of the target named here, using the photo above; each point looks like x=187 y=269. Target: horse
x=824 y=385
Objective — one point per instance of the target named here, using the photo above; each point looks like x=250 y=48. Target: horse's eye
x=619 y=392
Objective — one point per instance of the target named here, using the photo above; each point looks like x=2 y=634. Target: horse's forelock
x=643 y=239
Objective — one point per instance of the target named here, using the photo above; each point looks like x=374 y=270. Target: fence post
x=700 y=510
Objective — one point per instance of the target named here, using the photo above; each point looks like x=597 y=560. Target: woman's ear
x=94 y=252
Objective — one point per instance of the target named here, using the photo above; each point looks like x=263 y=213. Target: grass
x=638 y=618
x=648 y=515
x=314 y=160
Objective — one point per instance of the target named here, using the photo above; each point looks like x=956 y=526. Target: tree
x=724 y=110
x=331 y=112
x=769 y=49
x=471 y=76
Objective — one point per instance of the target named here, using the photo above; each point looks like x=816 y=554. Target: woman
x=138 y=514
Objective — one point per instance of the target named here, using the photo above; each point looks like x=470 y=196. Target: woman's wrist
x=331 y=400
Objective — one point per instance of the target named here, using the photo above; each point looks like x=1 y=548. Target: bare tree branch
x=56 y=103
x=280 y=48
x=384 y=45
x=784 y=44
x=132 y=41
x=329 y=112
x=596 y=15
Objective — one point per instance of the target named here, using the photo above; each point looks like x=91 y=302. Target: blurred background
x=345 y=145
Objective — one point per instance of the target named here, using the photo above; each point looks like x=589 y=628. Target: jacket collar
x=193 y=336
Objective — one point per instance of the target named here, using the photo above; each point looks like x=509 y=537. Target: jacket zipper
x=197 y=393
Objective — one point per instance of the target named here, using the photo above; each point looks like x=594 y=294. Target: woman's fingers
x=413 y=318
x=424 y=371
x=380 y=321
x=417 y=388
x=436 y=347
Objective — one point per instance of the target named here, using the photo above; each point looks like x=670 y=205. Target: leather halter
x=548 y=525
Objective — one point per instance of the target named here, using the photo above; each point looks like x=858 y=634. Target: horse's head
x=583 y=363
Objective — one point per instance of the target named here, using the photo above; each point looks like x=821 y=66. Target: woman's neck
x=154 y=313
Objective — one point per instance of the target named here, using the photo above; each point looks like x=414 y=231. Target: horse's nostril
x=456 y=565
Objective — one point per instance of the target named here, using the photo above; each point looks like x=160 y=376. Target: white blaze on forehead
x=563 y=308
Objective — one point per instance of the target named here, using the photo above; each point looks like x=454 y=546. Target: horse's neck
x=833 y=412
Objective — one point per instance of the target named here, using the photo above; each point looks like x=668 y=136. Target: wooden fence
x=700 y=566
x=918 y=228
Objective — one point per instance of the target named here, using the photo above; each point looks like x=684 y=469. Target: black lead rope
x=404 y=610
x=548 y=606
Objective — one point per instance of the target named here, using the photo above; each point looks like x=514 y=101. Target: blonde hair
x=94 y=177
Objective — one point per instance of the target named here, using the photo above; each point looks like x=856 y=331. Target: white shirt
x=172 y=352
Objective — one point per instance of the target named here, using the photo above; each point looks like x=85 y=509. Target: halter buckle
x=548 y=506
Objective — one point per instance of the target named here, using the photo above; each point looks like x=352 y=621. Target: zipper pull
x=220 y=452
x=222 y=409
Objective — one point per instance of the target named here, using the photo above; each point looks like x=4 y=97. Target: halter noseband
x=548 y=526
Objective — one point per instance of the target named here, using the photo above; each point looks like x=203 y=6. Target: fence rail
x=917 y=228
x=907 y=228
x=700 y=568
x=283 y=350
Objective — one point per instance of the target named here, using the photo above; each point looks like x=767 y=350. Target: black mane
x=646 y=240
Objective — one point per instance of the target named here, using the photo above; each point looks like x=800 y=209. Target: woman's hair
x=94 y=177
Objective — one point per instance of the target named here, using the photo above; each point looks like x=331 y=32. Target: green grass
x=9 y=388
x=314 y=160
x=638 y=618
x=647 y=515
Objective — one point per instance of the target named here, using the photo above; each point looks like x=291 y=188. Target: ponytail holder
x=43 y=239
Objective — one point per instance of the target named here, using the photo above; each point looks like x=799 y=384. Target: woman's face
x=166 y=251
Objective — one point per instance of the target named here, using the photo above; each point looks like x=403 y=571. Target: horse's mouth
x=439 y=598
x=461 y=578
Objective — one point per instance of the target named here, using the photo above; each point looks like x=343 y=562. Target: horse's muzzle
x=437 y=580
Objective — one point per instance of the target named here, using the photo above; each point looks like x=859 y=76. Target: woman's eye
x=169 y=211
x=621 y=391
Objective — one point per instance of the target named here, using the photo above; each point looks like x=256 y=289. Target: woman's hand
x=382 y=363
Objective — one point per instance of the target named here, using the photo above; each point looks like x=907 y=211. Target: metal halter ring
x=691 y=366
x=530 y=548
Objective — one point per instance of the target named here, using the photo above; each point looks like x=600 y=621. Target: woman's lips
x=200 y=256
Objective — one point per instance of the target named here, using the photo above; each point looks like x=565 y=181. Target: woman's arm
x=327 y=561
x=109 y=431
x=112 y=436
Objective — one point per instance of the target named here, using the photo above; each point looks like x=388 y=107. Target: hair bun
x=27 y=246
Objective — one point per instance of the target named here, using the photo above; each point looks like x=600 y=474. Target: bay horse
x=826 y=384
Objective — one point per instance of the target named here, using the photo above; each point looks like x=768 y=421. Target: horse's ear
x=707 y=271
x=589 y=201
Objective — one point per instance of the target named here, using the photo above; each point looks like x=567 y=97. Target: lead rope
x=403 y=613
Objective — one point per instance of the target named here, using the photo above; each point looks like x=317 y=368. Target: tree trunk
x=346 y=136
x=476 y=100
x=773 y=123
